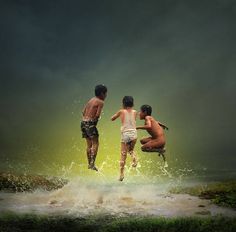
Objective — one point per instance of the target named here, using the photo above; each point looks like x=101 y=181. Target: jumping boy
x=155 y=143
x=128 y=132
x=91 y=114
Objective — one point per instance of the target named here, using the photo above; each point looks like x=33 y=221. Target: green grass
x=13 y=222
x=223 y=194
x=19 y=183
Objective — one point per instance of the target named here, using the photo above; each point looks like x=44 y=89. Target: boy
x=155 y=143
x=128 y=132
x=91 y=114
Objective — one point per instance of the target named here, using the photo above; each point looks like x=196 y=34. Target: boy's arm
x=115 y=116
x=163 y=126
x=147 y=125
x=136 y=115
x=99 y=110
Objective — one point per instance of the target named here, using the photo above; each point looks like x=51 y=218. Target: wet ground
x=96 y=195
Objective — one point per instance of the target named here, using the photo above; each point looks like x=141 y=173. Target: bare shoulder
x=153 y=119
x=99 y=101
x=121 y=111
x=149 y=118
x=91 y=100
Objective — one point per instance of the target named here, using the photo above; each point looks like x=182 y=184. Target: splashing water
x=83 y=196
x=144 y=191
x=98 y=193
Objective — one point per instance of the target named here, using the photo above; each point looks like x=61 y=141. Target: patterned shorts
x=89 y=129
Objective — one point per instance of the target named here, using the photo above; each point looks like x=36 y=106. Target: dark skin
x=92 y=111
x=93 y=108
x=155 y=129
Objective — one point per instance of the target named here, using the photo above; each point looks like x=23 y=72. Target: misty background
x=177 y=56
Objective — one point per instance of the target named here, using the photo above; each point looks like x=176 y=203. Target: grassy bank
x=13 y=222
x=223 y=194
x=19 y=183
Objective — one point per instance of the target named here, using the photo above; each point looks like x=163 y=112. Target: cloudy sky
x=178 y=56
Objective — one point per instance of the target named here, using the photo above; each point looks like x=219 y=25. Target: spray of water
x=144 y=191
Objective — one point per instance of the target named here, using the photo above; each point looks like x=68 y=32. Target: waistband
x=129 y=130
x=90 y=122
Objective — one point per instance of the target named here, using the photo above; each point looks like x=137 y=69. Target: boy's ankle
x=94 y=168
x=121 y=177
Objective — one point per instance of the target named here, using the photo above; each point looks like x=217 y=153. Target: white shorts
x=128 y=135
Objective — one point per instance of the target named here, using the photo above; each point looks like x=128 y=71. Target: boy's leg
x=130 y=149
x=153 y=144
x=122 y=160
x=156 y=146
x=93 y=152
x=145 y=140
x=89 y=146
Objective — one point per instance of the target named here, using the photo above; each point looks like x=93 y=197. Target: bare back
x=93 y=109
x=156 y=131
x=128 y=119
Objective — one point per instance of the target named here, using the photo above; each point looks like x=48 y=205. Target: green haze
x=177 y=56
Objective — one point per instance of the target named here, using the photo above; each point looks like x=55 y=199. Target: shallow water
x=144 y=191
x=99 y=194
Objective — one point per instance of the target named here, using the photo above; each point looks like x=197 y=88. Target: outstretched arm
x=147 y=125
x=115 y=116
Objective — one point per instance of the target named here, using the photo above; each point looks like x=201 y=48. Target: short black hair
x=146 y=109
x=128 y=101
x=99 y=89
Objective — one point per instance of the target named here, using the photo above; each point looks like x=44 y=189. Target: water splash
x=85 y=196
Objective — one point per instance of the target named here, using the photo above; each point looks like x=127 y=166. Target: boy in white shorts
x=128 y=132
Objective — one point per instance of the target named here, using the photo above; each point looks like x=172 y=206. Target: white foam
x=84 y=196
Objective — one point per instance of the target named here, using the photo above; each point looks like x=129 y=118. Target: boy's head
x=145 y=110
x=128 y=101
x=101 y=91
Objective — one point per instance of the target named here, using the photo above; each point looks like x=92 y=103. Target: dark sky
x=178 y=56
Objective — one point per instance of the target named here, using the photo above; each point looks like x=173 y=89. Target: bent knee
x=123 y=153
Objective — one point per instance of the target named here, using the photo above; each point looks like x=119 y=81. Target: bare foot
x=134 y=164
x=94 y=168
x=165 y=164
x=121 y=178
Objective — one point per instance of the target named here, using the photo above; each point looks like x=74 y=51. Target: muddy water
x=96 y=195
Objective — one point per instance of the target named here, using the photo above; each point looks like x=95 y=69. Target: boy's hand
x=116 y=115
